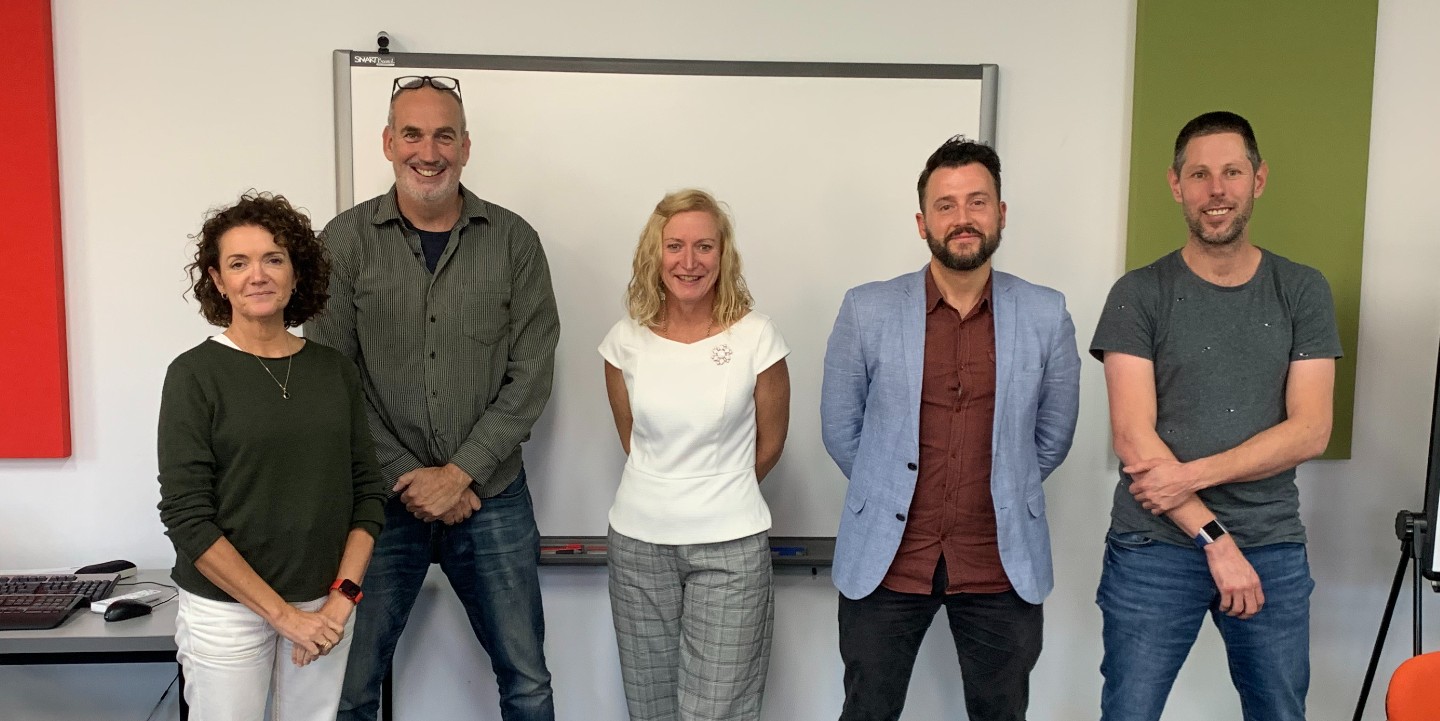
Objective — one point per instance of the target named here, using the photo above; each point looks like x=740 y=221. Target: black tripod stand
x=1410 y=528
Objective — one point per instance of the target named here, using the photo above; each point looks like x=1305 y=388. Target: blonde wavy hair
x=645 y=296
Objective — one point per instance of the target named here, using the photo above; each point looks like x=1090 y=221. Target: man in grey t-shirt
x=1220 y=364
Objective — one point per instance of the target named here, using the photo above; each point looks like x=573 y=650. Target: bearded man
x=949 y=394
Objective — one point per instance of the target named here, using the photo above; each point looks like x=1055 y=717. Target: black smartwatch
x=348 y=589
x=1209 y=533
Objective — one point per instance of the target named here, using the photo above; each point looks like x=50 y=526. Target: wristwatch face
x=350 y=589
x=1209 y=533
x=1214 y=530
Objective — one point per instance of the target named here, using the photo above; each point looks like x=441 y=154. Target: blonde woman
x=701 y=396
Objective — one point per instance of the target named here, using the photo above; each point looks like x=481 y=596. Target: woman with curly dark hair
x=269 y=486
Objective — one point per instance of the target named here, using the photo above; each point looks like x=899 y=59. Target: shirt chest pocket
x=485 y=315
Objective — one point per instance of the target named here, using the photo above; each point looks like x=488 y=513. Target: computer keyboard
x=32 y=611
x=45 y=601
x=93 y=586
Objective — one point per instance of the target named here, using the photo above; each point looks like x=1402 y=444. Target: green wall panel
x=1301 y=73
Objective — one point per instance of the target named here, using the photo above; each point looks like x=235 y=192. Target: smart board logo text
x=378 y=61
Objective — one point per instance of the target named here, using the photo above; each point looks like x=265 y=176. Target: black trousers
x=997 y=636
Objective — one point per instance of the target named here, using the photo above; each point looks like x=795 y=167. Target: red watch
x=348 y=589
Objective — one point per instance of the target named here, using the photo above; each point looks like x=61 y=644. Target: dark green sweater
x=284 y=480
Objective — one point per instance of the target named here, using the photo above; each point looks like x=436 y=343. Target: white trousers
x=233 y=660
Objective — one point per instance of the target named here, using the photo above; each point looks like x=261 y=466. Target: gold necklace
x=665 y=328
x=284 y=387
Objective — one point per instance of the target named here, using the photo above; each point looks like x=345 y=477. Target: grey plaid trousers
x=694 y=624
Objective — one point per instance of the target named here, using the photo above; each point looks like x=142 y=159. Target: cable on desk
x=173 y=592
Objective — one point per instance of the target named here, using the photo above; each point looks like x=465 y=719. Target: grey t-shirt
x=1221 y=358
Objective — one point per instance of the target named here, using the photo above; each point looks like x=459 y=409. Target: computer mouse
x=121 y=610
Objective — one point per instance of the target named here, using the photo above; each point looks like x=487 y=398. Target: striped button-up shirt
x=457 y=365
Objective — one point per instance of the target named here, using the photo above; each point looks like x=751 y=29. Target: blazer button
x=899 y=516
x=912 y=466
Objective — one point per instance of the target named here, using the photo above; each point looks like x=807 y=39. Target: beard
x=957 y=261
x=1225 y=235
x=428 y=194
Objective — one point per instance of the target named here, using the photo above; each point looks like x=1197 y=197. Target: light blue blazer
x=870 y=420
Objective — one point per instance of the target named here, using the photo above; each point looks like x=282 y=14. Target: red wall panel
x=34 y=376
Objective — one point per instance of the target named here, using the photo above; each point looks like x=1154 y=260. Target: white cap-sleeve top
x=690 y=477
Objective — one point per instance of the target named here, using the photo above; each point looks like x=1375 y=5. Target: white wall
x=167 y=108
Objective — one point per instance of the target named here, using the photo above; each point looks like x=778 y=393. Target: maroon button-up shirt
x=952 y=512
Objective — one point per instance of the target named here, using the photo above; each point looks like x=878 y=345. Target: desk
x=85 y=637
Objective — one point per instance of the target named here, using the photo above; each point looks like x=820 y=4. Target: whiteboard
x=817 y=162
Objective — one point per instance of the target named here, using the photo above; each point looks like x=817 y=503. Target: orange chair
x=1414 y=693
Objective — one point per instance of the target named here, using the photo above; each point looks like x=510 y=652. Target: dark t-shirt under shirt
x=1222 y=356
x=432 y=244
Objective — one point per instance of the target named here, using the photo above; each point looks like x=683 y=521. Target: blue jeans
x=492 y=560
x=1155 y=595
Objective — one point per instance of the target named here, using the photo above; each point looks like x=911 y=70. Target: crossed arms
x=1164 y=485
